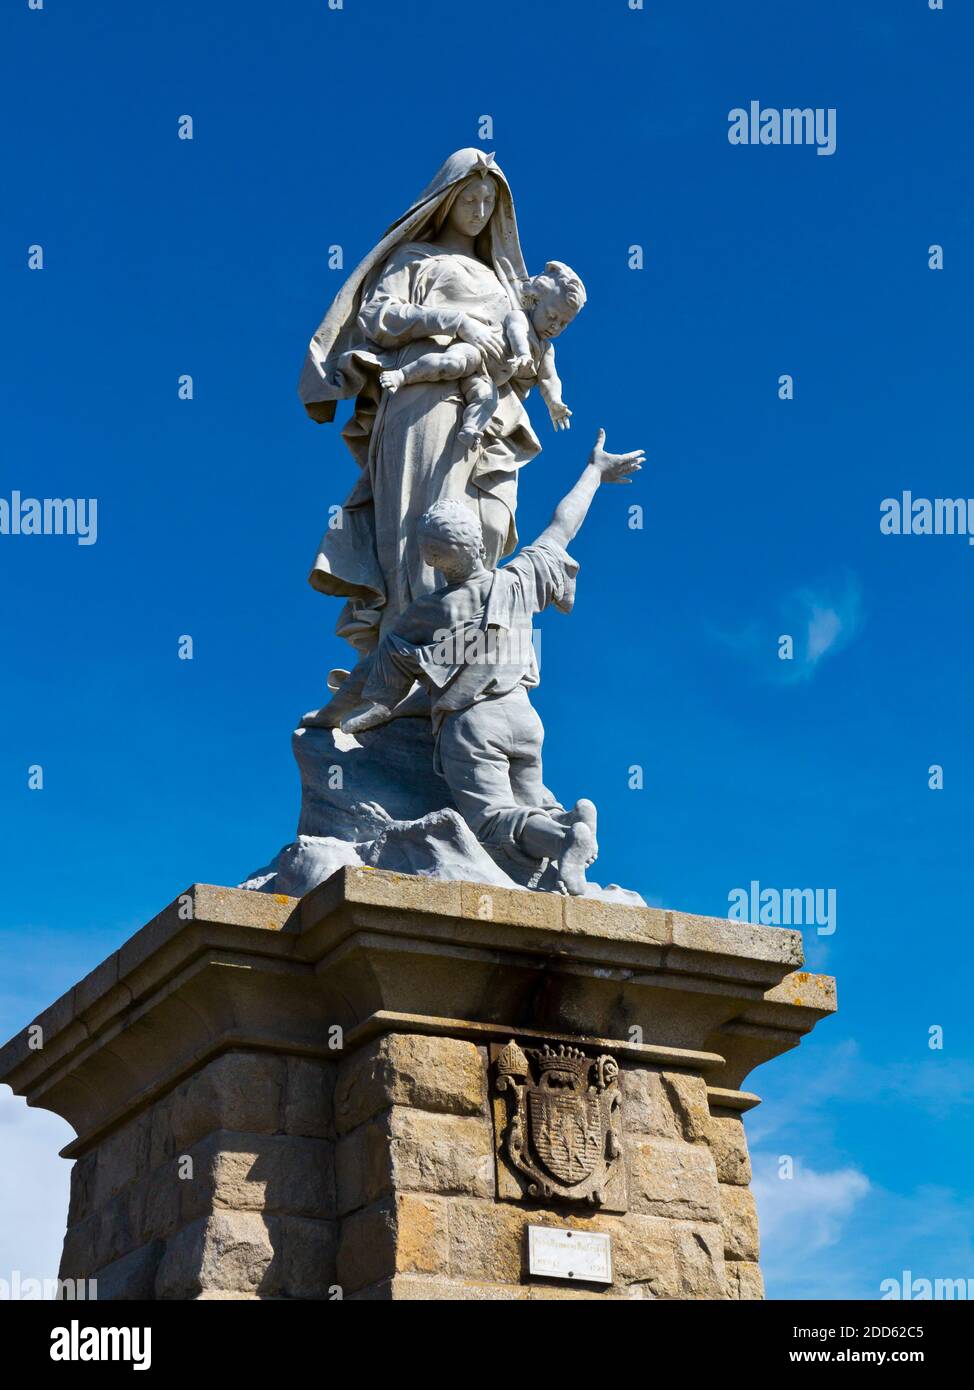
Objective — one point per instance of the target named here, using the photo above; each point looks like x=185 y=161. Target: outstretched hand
x=615 y=468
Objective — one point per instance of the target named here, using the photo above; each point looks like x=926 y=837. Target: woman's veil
x=320 y=385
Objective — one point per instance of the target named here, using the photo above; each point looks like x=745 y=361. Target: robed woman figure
x=445 y=271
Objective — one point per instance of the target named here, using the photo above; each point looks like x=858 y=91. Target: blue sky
x=315 y=127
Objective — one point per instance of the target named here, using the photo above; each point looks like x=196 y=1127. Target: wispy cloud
x=812 y=623
x=808 y=1211
x=833 y=1229
x=932 y=1083
x=835 y=1234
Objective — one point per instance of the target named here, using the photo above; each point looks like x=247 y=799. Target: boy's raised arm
x=572 y=510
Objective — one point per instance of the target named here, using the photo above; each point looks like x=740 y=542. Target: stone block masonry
x=370 y=1093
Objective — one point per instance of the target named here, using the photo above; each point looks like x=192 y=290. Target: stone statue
x=427 y=758
x=554 y=299
x=446 y=280
x=469 y=643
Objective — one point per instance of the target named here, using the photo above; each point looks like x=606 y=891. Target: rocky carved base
x=376 y=802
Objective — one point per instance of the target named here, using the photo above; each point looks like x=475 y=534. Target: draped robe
x=407 y=298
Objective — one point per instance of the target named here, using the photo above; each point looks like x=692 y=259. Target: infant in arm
x=551 y=300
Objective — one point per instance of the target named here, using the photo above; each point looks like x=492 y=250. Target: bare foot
x=368 y=718
x=392 y=380
x=578 y=852
x=469 y=439
x=584 y=810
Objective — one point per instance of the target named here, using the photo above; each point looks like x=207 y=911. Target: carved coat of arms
x=562 y=1127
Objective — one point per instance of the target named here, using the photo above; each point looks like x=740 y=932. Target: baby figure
x=550 y=302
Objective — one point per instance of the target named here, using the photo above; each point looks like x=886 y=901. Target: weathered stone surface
x=658 y=1257
x=414 y=1150
x=422 y=1241
x=688 y=1097
x=122 y=1156
x=373 y=951
x=740 y=1220
x=690 y=932
x=162 y=1143
x=367 y=1246
x=251 y=1172
x=183 y=988
x=406 y=1234
x=669 y=1259
x=121 y=1227
x=226 y=1251
x=646 y=1105
x=308 y=1256
x=487 y=1241
x=82 y=1188
x=613 y=913
x=308 y=1104
x=672 y=1178
x=492 y=904
x=78 y=1254
x=671 y=1105
x=131 y=1277
x=239 y=1090
x=728 y=1144
x=700 y=1265
x=430 y=1073
x=165 y=1206
x=744 y=1280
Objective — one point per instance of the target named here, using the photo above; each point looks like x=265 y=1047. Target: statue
x=488 y=736
x=444 y=281
x=427 y=758
x=554 y=298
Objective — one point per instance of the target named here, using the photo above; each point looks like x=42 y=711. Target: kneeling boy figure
x=470 y=645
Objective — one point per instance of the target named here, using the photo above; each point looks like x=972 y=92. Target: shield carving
x=566 y=1131
x=563 y=1124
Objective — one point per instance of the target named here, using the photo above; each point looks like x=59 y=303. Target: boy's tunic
x=470 y=644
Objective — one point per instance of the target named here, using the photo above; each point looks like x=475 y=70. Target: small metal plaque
x=555 y=1253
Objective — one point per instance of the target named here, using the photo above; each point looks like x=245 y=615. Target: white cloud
x=824 y=619
x=820 y=619
x=34 y=1185
x=835 y=1234
x=806 y=1212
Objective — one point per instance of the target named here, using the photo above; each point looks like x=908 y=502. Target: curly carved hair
x=451 y=521
x=568 y=285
